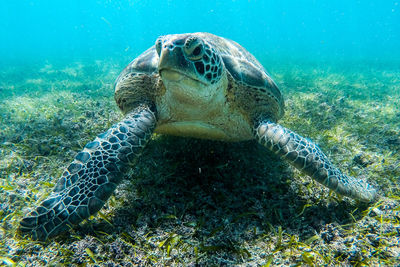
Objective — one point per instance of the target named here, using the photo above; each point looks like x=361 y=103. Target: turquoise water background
x=304 y=29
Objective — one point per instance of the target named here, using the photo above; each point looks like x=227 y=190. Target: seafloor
x=195 y=202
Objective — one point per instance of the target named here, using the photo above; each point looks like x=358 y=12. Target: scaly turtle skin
x=197 y=85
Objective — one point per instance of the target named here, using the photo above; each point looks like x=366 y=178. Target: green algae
x=205 y=202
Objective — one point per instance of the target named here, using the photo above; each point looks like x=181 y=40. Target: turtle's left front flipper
x=91 y=178
x=308 y=157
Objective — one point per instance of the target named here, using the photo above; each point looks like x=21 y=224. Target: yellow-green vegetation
x=202 y=202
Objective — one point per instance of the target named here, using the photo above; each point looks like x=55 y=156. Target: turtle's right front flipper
x=91 y=178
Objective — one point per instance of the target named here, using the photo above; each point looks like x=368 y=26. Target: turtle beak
x=164 y=60
x=172 y=59
x=173 y=66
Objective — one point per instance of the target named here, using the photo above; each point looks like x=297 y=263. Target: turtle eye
x=194 y=48
x=196 y=52
x=158 y=45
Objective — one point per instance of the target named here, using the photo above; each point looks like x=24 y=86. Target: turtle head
x=188 y=60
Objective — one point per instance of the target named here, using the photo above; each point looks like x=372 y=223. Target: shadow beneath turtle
x=217 y=195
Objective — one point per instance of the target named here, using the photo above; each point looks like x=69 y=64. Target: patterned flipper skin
x=308 y=158
x=92 y=177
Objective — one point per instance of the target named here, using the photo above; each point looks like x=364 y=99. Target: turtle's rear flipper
x=308 y=157
x=91 y=178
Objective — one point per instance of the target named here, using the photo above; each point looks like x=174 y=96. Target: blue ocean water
x=343 y=29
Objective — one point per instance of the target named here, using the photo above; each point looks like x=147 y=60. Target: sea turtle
x=196 y=85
